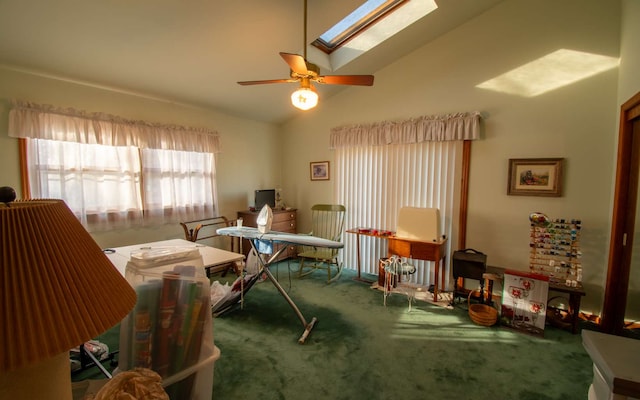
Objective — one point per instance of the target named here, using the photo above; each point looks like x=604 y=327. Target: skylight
x=559 y=68
x=369 y=25
x=352 y=24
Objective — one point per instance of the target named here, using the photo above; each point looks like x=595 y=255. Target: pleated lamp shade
x=57 y=288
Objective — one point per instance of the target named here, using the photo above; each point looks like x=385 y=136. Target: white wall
x=250 y=157
x=629 y=82
x=577 y=122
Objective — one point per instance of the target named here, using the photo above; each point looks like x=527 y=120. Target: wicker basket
x=482 y=314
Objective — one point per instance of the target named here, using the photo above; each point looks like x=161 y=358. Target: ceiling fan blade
x=296 y=63
x=246 y=83
x=362 y=80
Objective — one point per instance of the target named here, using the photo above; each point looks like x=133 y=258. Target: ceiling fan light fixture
x=303 y=71
x=304 y=98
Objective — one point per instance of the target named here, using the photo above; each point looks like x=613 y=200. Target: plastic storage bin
x=170 y=329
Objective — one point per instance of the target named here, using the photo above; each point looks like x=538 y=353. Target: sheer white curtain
x=100 y=184
x=29 y=120
x=178 y=185
x=385 y=166
x=114 y=172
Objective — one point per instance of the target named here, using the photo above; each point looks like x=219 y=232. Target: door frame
x=623 y=220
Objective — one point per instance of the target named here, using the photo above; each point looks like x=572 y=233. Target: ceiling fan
x=305 y=72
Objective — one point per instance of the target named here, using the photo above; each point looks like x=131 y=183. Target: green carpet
x=360 y=349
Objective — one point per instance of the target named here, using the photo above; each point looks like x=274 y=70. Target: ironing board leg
x=307 y=326
x=265 y=268
x=307 y=331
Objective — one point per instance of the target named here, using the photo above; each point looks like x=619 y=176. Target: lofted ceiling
x=195 y=51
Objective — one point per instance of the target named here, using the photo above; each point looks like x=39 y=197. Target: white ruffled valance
x=461 y=126
x=29 y=120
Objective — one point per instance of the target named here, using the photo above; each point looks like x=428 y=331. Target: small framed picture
x=319 y=170
x=535 y=177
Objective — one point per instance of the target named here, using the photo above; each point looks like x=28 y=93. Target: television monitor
x=265 y=196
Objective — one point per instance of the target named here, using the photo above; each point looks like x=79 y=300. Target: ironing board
x=255 y=237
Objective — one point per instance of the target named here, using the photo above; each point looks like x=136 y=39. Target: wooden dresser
x=283 y=221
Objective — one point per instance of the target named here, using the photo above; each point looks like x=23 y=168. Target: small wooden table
x=365 y=232
x=575 y=293
x=428 y=251
x=575 y=296
x=417 y=250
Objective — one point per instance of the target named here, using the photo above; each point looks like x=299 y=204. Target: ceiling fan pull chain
x=304 y=33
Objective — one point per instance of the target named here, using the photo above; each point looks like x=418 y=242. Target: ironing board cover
x=280 y=237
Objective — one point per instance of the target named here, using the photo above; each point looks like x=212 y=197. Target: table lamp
x=57 y=290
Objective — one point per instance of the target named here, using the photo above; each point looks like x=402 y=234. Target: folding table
x=211 y=256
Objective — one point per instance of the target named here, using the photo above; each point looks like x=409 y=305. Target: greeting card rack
x=555 y=250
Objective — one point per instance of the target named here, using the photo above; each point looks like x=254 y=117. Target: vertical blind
x=383 y=167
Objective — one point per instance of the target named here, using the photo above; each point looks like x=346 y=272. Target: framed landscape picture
x=535 y=177
x=319 y=170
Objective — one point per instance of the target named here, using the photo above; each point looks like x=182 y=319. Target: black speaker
x=469 y=263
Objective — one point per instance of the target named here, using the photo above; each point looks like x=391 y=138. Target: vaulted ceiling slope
x=194 y=52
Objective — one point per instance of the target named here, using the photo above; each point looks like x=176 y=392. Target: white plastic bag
x=264 y=219
x=219 y=294
x=253 y=265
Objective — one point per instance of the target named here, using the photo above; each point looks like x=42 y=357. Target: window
x=114 y=172
x=117 y=186
x=354 y=23
x=97 y=182
x=372 y=23
x=178 y=185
